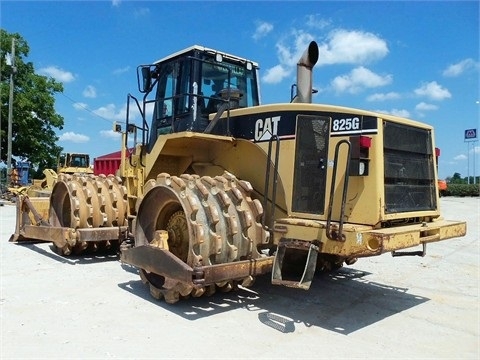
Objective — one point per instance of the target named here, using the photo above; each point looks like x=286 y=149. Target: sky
x=414 y=59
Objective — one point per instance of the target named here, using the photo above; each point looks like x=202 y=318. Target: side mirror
x=117 y=127
x=147 y=79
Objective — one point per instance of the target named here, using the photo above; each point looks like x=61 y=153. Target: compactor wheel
x=87 y=201
x=177 y=229
x=208 y=220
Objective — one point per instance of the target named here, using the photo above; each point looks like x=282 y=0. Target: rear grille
x=409 y=169
x=310 y=164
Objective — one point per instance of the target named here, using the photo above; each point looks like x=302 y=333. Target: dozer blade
x=164 y=263
x=159 y=261
x=31 y=225
x=280 y=266
x=30 y=211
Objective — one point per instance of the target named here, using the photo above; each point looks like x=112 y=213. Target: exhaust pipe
x=304 y=74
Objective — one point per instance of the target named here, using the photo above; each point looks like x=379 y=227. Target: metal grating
x=310 y=164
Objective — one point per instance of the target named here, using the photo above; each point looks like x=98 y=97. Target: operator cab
x=73 y=160
x=194 y=83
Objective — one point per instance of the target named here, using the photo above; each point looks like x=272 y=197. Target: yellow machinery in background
x=68 y=163
x=74 y=163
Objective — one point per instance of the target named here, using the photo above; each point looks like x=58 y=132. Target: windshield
x=189 y=89
x=215 y=77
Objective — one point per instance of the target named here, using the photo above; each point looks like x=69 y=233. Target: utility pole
x=471 y=138
x=468 y=162
x=10 y=114
x=474 y=161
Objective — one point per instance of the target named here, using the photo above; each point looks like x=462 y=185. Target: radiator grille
x=310 y=164
x=409 y=169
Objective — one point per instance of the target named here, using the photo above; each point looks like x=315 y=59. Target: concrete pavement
x=378 y=308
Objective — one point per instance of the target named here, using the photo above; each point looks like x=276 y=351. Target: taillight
x=359 y=155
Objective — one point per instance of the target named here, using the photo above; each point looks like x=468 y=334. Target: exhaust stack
x=304 y=74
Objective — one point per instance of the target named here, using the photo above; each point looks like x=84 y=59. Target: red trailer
x=108 y=164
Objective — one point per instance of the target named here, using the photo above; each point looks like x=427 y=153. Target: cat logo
x=265 y=129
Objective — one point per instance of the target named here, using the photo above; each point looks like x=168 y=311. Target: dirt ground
x=383 y=307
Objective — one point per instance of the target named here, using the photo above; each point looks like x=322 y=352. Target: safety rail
x=338 y=234
x=267 y=181
x=130 y=127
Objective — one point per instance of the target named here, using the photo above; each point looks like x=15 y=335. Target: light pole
x=471 y=138
x=474 y=160
x=468 y=162
x=10 y=115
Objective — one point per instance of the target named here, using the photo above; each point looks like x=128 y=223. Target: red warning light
x=365 y=141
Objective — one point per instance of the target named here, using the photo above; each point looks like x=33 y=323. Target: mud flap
x=310 y=263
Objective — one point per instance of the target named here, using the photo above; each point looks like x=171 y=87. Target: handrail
x=127 y=124
x=267 y=180
x=338 y=236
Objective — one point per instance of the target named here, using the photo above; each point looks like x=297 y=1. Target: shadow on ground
x=343 y=302
x=85 y=259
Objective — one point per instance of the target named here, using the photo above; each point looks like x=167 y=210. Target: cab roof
x=206 y=50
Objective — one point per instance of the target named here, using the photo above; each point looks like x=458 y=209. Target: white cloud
x=475 y=150
x=290 y=54
x=341 y=47
x=351 y=47
x=396 y=112
x=276 y=74
x=383 y=97
x=262 y=29
x=148 y=111
x=141 y=12
x=400 y=112
x=425 y=107
x=80 y=106
x=460 y=67
x=359 y=79
x=110 y=134
x=57 y=73
x=121 y=70
x=90 y=92
x=433 y=91
x=110 y=112
x=460 y=157
x=314 y=21
x=116 y=2
x=73 y=137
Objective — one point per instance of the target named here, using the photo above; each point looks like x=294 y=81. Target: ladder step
x=310 y=263
x=421 y=253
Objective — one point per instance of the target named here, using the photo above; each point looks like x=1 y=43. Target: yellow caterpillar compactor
x=220 y=189
x=74 y=163
x=68 y=163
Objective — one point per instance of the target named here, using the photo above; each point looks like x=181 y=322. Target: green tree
x=34 y=119
x=456 y=179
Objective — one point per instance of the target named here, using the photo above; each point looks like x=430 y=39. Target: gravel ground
x=383 y=307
